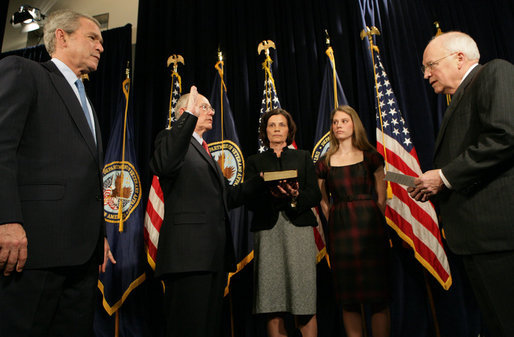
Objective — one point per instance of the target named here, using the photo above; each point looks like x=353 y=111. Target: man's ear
x=60 y=36
x=179 y=113
x=460 y=59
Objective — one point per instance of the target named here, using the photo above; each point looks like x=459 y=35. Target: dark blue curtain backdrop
x=196 y=29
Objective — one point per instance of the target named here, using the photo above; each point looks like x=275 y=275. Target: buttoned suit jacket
x=195 y=235
x=475 y=150
x=50 y=166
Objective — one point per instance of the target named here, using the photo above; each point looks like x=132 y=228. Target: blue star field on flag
x=269 y=102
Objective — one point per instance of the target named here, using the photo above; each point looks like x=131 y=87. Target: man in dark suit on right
x=474 y=175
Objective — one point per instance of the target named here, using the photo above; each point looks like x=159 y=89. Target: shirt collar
x=68 y=74
x=467 y=72
x=284 y=149
x=198 y=138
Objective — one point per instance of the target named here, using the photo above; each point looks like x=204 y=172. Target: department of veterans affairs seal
x=321 y=147
x=229 y=157
x=122 y=189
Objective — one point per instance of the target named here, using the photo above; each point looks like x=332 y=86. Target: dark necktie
x=83 y=102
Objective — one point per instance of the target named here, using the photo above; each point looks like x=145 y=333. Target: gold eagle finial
x=265 y=45
x=175 y=59
x=369 y=32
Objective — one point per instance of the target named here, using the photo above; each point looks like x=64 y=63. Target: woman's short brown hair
x=263 y=135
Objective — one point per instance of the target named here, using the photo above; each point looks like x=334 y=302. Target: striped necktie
x=83 y=102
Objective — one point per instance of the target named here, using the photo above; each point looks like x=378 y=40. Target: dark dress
x=357 y=239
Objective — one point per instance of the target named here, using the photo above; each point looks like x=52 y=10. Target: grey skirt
x=285 y=269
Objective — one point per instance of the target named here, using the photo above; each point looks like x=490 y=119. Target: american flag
x=415 y=222
x=175 y=95
x=155 y=207
x=269 y=97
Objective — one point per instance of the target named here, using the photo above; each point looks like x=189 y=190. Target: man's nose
x=427 y=73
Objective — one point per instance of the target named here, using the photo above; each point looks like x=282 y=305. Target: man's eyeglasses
x=206 y=108
x=433 y=64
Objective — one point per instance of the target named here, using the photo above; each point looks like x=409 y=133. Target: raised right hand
x=191 y=102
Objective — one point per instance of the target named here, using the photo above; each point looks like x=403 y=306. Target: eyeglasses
x=206 y=108
x=433 y=64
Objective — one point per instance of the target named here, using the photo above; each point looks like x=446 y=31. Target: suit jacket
x=50 y=166
x=266 y=208
x=195 y=234
x=475 y=150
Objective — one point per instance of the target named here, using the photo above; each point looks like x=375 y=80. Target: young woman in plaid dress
x=351 y=180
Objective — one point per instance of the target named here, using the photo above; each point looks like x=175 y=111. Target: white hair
x=459 y=42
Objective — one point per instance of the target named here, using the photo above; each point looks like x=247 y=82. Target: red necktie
x=204 y=144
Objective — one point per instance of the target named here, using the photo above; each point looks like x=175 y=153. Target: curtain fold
x=197 y=28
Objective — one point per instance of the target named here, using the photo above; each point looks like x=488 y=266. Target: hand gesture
x=191 y=102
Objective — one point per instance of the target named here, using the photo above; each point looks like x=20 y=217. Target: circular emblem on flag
x=230 y=159
x=122 y=190
x=321 y=147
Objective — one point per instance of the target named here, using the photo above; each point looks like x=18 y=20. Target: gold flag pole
x=266 y=65
x=219 y=67
x=174 y=59
x=438 y=32
x=330 y=54
x=126 y=91
x=369 y=32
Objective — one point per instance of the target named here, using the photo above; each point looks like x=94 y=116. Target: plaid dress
x=357 y=239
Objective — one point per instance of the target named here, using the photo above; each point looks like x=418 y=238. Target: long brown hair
x=359 y=138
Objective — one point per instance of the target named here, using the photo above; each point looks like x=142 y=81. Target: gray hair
x=182 y=101
x=459 y=42
x=64 y=19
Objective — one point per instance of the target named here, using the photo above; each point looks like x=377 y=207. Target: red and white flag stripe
x=153 y=220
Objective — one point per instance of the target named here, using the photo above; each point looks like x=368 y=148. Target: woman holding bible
x=351 y=180
x=284 y=246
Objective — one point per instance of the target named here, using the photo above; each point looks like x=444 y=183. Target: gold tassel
x=389 y=191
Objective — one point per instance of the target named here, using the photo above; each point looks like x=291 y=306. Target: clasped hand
x=427 y=185
x=284 y=190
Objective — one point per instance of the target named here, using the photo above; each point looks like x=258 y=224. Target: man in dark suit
x=474 y=175
x=52 y=238
x=195 y=243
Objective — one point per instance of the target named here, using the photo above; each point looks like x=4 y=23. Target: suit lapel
x=208 y=158
x=450 y=111
x=98 y=135
x=74 y=108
